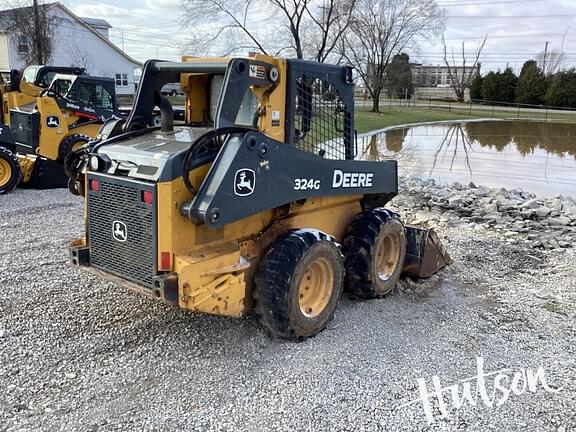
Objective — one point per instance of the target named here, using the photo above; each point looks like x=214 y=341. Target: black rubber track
x=16 y=176
x=358 y=249
x=278 y=278
x=68 y=144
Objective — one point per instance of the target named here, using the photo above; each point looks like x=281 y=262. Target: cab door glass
x=248 y=108
x=215 y=89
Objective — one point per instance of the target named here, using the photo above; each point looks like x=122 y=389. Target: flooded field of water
x=537 y=157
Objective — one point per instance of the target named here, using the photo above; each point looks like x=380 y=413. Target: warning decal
x=258 y=72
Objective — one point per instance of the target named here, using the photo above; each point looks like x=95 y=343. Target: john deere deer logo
x=52 y=122
x=119 y=231
x=244 y=182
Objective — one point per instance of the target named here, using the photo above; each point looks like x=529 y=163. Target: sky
x=517 y=30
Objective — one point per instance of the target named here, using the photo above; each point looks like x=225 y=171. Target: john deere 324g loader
x=256 y=202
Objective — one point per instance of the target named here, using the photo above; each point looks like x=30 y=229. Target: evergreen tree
x=499 y=86
x=562 y=91
x=490 y=87
x=399 y=76
x=507 y=86
x=532 y=84
x=476 y=88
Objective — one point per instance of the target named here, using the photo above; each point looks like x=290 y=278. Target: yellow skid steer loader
x=254 y=203
x=49 y=112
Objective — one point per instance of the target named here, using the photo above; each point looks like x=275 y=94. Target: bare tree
x=461 y=75
x=228 y=20
x=550 y=62
x=380 y=29
x=79 y=55
x=330 y=21
x=313 y=27
x=30 y=26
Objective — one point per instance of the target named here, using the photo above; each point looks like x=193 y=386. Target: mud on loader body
x=255 y=203
x=45 y=115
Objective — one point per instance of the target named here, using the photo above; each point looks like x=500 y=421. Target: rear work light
x=147 y=197
x=95 y=185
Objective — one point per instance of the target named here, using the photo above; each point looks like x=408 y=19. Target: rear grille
x=25 y=127
x=118 y=206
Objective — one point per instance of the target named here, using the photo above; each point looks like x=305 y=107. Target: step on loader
x=46 y=114
x=254 y=203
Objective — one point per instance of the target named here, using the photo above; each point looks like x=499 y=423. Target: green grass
x=366 y=121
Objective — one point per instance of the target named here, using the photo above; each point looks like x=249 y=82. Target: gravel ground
x=78 y=353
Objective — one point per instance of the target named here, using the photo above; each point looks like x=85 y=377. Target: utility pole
x=38 y=34
x=122 y=33
x=545 y=58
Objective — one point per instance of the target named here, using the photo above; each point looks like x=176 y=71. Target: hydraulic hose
x=212 y=139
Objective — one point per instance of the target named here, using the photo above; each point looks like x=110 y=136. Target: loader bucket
x=425 y=254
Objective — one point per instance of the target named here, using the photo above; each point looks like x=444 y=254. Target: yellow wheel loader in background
x=254 y=203
x=45 y=115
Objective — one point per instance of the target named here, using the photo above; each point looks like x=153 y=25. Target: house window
x=22 y=45
x=122 y=80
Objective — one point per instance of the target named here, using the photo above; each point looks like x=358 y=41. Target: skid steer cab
x=254 y=202
x=20 y=89
x=47 y=114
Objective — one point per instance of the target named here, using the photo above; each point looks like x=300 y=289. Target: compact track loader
x=45 y=115
x=255 y=203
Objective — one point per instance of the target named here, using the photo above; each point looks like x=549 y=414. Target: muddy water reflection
x=538 y=157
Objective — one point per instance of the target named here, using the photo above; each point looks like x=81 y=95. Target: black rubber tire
x=76 y=187
x=74 y=163
x=68 y=143
x=365 y=232
x=278 y=278
x=15 y=173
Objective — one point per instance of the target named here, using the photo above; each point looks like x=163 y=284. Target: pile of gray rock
x=520 y=217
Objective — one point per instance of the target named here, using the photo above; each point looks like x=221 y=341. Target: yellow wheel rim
x=316 y=288
x=387 y=256
x=78 y=145
x=5 y=172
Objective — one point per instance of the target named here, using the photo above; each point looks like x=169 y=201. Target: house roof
x=96 y=22
x=5 y=25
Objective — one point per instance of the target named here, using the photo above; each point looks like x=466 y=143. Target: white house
x=76 y=41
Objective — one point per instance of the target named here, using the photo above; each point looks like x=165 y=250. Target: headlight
x=99 y=162
x=94 y=163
